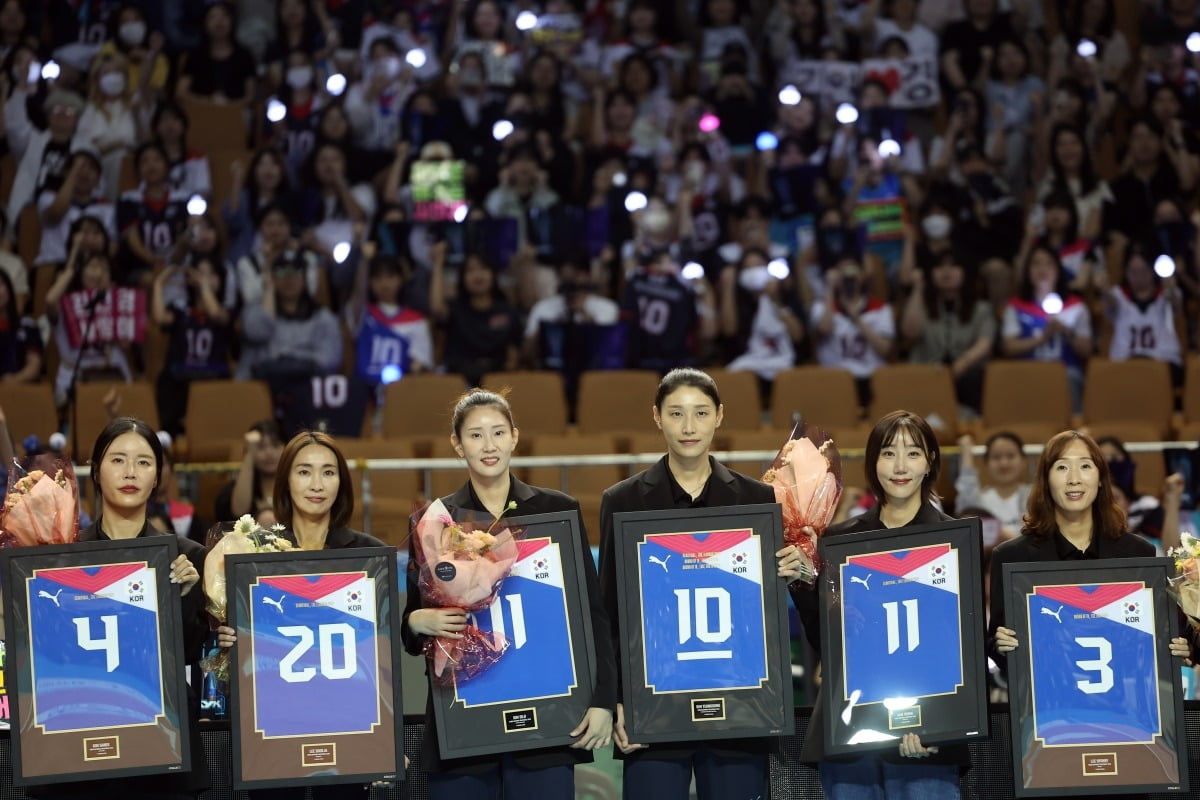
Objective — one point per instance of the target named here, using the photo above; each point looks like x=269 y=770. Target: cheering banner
x=541 y=687
x=903 y=616
x=317 y=683
x=1096 y=700
x=119 y=317
x=911 y=82
x=96 y=664
x=437 y=190
x=706 y=651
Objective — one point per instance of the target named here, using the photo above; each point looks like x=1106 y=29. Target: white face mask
x=299 y=77
x=754 y=279
x=132 y=33
x=937 y=226
x=112 y=83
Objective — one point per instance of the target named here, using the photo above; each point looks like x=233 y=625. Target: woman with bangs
x=1072 y=516
x=903 y=461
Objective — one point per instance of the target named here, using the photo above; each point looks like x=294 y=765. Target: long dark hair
x=885 y=433
x=1070 y=20
x=1107 y=517
x=480 y=258
x=814 y=48
x=1061 y=199
x=119 y=427
x=252 y=190
x=343 y=504
x=1061 y=287
x=12 y=314
x=968 y=293
x=1087 y=173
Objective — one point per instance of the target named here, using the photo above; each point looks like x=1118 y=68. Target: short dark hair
x=479 y=398
x=999 y=436
x=343 y=504
x=1107 y=517
x=885 y=432
x=686 y=376
x=119 y=427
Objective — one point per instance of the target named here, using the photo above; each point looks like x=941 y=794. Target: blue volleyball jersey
x=901 y=630
x=530 y=613
x=314 y=637
x=702 y=611
x=94 y=647
x=1094 y=664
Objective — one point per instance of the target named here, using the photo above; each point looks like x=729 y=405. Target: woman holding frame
x=1071 y=517
x=484 y=435
x=687 y=409
x=314 y=500
x=903 y=461
x=127 y=461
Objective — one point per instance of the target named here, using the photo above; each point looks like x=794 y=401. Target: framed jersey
x=703 y=622
x=540 y=689
x=1097 y=705
x=95 y=670
x=317 y=667
x=902 y=645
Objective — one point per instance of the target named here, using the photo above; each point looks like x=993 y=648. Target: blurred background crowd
x=289 y=191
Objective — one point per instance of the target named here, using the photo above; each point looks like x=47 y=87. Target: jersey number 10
x=704 y=629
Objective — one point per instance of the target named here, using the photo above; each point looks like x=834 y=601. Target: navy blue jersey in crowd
x=661 y=311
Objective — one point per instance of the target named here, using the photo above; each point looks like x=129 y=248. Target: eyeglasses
x=61 y=109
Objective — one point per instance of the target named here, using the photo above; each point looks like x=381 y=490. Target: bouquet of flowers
x=462 y=566
x=1185 y=586
x=42 y=505
x=245 y=536
x=807 y=478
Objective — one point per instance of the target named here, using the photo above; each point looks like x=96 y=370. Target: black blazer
x=807 y=604
x=195 y=631
x=651 y=490
x=1048 y=548
x=339 y=538
x=529 y=500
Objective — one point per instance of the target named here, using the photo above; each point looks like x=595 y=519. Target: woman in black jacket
x=1071 y=517
x=902 y=464
x=314 y=500
x=688 y=410
x=126 y=465
x=484 y=435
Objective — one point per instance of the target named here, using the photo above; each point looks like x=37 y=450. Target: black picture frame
x=734 y=682
x=1061 y=753
x=520 y=702
x=321 y=722
x=915 y=662
x=137 y=720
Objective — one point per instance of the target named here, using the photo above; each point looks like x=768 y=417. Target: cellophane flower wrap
x=225 y=539
x=462 y=565
x=807 y=478
x=1185 y=586
x=42 y=505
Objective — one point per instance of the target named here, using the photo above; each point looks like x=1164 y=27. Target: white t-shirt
x=1143 y=333
x=920 y=40
x=599 y=310
x=54 y=237
x=846 y=347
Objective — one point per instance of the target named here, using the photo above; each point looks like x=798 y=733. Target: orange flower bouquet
x=462 y=566
x=807 y=478
x=42 y=505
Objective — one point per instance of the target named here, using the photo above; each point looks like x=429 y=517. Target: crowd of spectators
x=617 y=183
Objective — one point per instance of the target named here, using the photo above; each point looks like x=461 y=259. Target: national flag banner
x=315 y=688
x=94 y=645
x=702 y=611
x=93 y=682
x=901 y=623
x=1088 y=642
x=315 y=633
x=531 y=613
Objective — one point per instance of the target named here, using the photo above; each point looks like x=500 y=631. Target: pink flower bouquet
x=807 y=478
x=42 y=505
x=462 y=566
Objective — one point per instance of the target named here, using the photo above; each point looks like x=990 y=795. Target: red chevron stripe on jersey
x=1088 y=598
x=90 y=579
x=692 y=544
x=313 y=587
x=528 y=548
x=901 y=562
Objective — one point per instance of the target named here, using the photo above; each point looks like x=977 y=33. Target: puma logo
x=661 y=562
x=1055 y=614
x=48 y=596
x=277 y=603
x=863 y=581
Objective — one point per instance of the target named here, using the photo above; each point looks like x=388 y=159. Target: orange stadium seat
x=924 y=389
x=219 y=413
x=1123 y=392
x=741 y=398
x=1029 y=398
x=825 y=396
x=1189 y=429
x=420 y=406
x=135 y=400
x=616 y=401
x=29 y=410
x=537 y=397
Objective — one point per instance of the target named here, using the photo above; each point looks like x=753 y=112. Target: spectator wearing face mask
x=761 y=318
x=147 y=68
x=374 y=105
x=853 y=331
x=108 y=125
x=303 y=98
